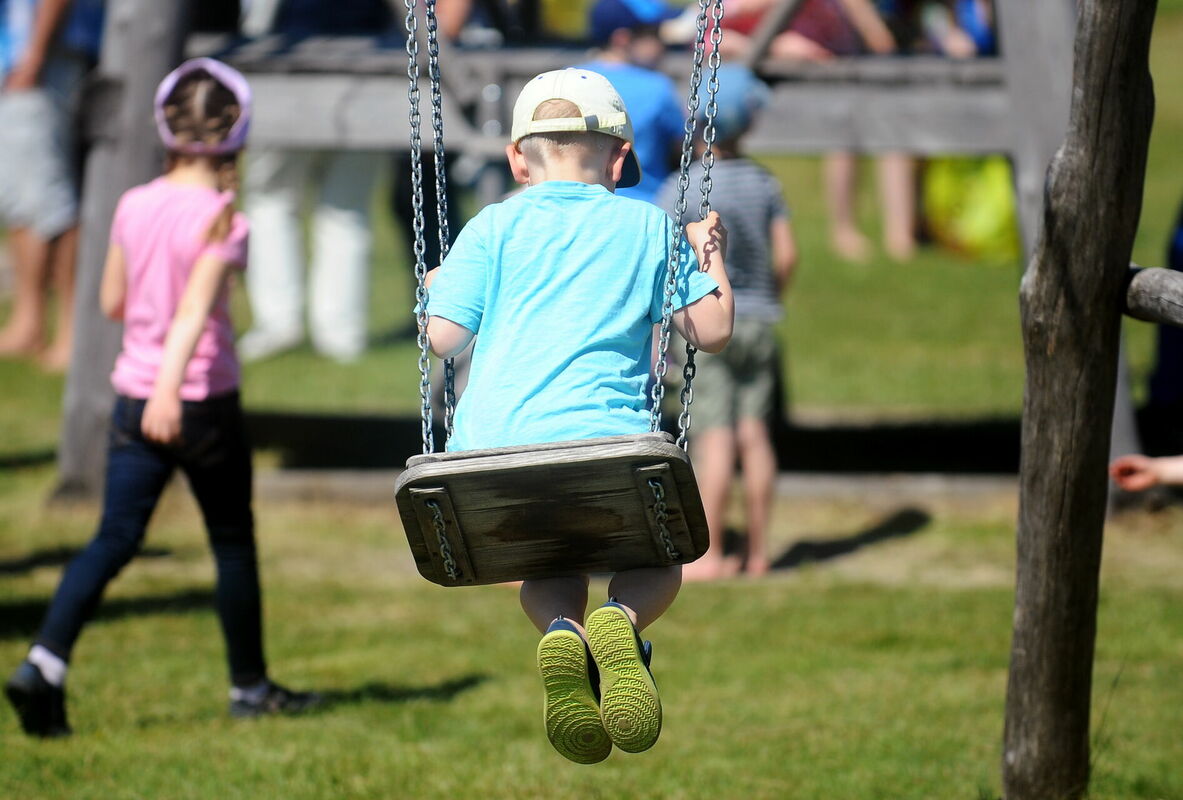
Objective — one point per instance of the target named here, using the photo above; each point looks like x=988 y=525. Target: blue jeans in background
x=215 y=456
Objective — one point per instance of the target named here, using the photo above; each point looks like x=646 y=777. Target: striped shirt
x=748 y=199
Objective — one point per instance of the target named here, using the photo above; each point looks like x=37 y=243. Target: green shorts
x=738 y=383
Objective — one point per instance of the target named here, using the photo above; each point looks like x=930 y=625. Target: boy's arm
x=162 y=414
x=113 y=289
x=784 y=252
x=707 y=322
x=445 y=338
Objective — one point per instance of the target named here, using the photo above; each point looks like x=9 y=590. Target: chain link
x=661 y=516
x=412 y=26
x=715 y=9
x=441 y=535
x=441 y=188
x=678 y=232
x=705 y=185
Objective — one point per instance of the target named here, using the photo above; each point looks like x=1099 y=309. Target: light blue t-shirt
x=657 y=116
x=562 y=284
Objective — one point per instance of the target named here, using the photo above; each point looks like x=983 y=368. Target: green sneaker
x=572 y=711
x=629 y=705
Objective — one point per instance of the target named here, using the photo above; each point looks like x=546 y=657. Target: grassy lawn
x=878 y=674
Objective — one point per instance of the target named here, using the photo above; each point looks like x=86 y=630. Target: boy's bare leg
x=647 y=593
x=840 y=175
x=25 y=331
x=545 y=599
x=62 y=258
x=714 y=463
x=758 y=462
x=897 y=196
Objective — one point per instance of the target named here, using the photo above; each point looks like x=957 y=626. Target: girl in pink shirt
x=174 y=243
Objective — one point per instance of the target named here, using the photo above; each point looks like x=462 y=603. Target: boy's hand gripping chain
x=441 y=206
x=715 y=9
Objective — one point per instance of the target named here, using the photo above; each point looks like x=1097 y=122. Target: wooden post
x=1071 y=300
x=142 y=41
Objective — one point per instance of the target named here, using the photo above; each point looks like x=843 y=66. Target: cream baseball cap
x=600 y=107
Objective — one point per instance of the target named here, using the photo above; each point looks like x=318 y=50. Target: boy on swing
x=564 y=282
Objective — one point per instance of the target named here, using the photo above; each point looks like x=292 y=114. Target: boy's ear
x=616 y=163
x=517 y=164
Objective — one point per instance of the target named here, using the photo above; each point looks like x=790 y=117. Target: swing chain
x=661 y=516
x=441 y=535
x=412 y=26
x=441 y=188
x=704 y=206
x=667 y=303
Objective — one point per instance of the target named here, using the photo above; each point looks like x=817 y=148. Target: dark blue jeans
x=215 y=456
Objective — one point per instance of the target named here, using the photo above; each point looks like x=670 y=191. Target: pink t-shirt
x=162 y=228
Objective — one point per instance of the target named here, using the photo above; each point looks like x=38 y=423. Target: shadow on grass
x=904 y=522
x=375 y=692
x=32 y=458
x=58 y=556
x=21 y=619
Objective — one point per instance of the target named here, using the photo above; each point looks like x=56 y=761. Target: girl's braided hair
x=201 y=110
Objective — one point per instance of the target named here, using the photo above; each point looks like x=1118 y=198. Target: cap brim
x=631 y=174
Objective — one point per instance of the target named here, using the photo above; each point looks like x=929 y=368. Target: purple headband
x=229 y=77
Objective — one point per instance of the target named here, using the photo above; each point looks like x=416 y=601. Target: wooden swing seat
x=539 y=511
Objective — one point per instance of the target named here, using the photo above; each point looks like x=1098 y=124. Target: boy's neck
x=569 y=170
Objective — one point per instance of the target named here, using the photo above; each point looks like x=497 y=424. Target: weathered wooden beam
x=1155 y=295
x=1071 y=313
x=141 y=43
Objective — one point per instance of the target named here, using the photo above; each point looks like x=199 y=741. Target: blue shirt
x=657 y=116
x=80 y=32
x=562 y=284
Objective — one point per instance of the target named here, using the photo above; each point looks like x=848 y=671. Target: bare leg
x=840 y=173
x=714 y=462
x=897 y=196
x=24 y=334
x=63 y=254
x=758 y=461
x=646 y=593
x=545 y=599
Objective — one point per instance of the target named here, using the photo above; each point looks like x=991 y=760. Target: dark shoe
x=276 y=700
x=40 y=705
x=629 y=706
x=571 y=712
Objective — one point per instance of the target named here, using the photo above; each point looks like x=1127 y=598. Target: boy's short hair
x=536 y=145
x=588 y=103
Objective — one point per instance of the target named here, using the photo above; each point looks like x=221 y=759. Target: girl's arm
x=162 y=414
x=784 y=252
x=113 y=289
x=707 y=322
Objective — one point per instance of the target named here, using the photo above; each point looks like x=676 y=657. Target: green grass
x=880 y=674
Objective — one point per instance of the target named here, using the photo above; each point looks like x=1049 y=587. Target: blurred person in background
x=46 y=49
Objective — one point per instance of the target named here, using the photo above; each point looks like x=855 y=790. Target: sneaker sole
x=571 y=716
x=629 y=704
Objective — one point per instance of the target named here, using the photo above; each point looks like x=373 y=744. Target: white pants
x=275 y=187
